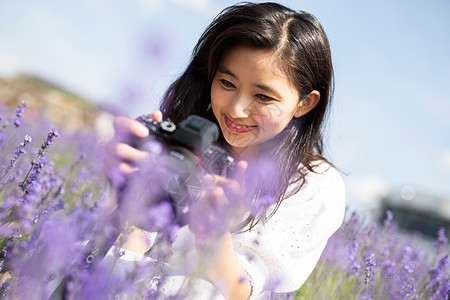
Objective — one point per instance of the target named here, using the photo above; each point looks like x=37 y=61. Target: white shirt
x=280 y=254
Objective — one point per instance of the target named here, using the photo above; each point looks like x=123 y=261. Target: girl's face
x=252 y=99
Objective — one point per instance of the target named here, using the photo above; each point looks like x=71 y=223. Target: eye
x=264 y=98
x=226 y=83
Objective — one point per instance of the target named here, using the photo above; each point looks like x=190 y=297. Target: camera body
x=188 y=149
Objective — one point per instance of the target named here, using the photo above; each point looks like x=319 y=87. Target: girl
x=263 y=74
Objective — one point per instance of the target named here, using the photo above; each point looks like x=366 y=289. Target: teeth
x=237 y=126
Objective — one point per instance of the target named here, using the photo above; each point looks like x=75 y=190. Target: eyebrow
x=226 y=71
x=258 y=85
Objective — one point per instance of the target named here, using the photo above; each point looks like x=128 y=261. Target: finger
x=208 y=216
x=217 y=200
x=215 y=179
x=114 y=165
x=124 y=125
x=157 y=115
x=233 y=187
x=127 y=169
x=127 y=153
x=209 y=180
x=241 y=168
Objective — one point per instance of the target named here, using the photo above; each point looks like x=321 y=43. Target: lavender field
x=53 y=193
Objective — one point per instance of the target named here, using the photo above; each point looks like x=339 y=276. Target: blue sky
x=390 y=125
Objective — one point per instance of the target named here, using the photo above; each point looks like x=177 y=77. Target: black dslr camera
x=188 y=147
x=187 y=151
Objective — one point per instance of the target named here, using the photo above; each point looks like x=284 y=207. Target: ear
x=306 y=105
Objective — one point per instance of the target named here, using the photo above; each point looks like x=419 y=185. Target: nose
x=240 y=107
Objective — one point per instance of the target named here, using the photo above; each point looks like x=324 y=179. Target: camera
x=188 y=149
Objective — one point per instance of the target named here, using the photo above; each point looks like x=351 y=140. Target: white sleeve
x=281 y=254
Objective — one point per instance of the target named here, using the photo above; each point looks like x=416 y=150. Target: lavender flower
x=371 y=269
x=4 y=288
x=38 y=163
x=161 y=215
x=408 y=283
x=409 y=289
x=43 y=225
x=387 y=268
x=354 y=265
x=81 y=156
x=19 y=151
x=441 y=240
x=436 y=271
x=19 y=112
x=49 y=140
x=436 y=287
x=18 y=122
x=388 y=220
x=36 y=167
x=353 y=249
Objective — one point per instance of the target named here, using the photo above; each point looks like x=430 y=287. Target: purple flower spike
x=49 y=140
x=353 y=249
x=441 y=240
x=388 y=220
x=388 y=268
x=19 y=151
x=81 y=156
x=355 y=267
x=18 y=122
x=19 y=112
x=436 y=271
x=371 y=263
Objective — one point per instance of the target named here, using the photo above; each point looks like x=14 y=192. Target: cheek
x=272 y=118
x=216 y=101
x=216 y=95
x=267 y=115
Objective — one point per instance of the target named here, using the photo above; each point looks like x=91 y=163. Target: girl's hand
x=120 y=158
x=211 y=218
x=221 y=204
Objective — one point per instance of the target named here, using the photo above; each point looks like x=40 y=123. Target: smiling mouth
x=236 y=127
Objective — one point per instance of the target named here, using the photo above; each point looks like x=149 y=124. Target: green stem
x=6 y=172
x=28 y=175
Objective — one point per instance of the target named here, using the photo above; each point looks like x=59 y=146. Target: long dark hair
x=304 y=55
